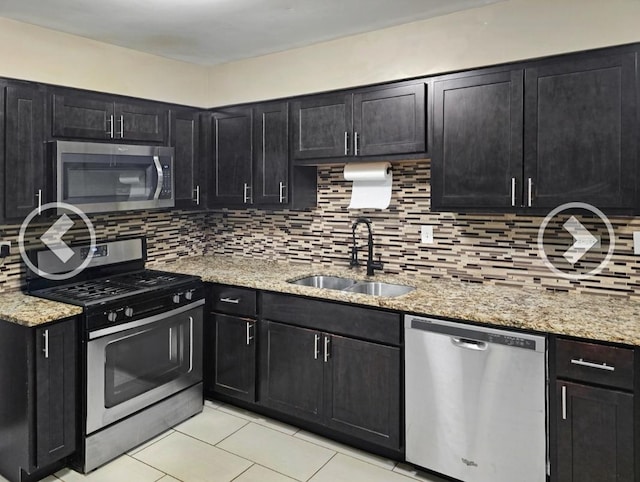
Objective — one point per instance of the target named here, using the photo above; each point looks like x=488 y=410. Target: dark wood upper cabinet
x=389 y=121
x=271 y=153
x=24 y=165
x=82 y=115
x=380 y=121
x=477 y=144
x=232 y=155
x=190 y=188
x=566 y=133
x=322 y=126
x=580 y=131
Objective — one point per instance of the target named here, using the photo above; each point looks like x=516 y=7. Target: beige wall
x=39 y=54
x=501 y=32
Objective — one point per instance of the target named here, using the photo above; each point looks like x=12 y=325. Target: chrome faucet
x=371 y=264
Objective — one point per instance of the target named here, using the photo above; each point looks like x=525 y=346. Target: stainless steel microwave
x=98 y=177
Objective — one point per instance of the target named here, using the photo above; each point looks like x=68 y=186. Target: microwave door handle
x=156 y=161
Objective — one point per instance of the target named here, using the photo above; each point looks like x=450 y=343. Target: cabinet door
x=477 y=144
x=580 y=132
x=56 y=364
x=291 y=370
x=24 y=153
x=271 y=153
x=82 y=117
x=188 y=177
x=140 y=122
x=321 y=126
x=389 y=121
x=232 y=156
x=595 y=434
x=362 y=390
x=235 y=357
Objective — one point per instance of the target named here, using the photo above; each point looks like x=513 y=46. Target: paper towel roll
x=130 y=177
x=371 y=184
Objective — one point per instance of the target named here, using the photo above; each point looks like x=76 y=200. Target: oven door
x=136 y=364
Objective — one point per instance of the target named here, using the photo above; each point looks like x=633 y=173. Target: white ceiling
x=210 y=32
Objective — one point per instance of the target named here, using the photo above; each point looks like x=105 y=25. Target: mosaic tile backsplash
x=496 y=249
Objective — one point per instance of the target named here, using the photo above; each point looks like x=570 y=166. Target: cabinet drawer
x=233 y=300
x=595 y=363
x=355 y=321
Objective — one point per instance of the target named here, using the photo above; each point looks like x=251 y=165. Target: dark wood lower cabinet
x=291 y=370
x=594 y=434
x=234 y=371
x=38 y=413
x=362 y=390
x=345 y=384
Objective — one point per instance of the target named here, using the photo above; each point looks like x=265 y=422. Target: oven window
x=146 y=359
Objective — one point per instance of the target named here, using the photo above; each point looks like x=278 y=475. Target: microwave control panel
x=165 y=193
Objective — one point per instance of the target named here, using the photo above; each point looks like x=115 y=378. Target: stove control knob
x=176 y=298
x=128 y=312
x=188 y=295
x=112 y=316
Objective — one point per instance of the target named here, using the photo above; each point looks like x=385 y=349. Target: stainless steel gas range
x=141 y=345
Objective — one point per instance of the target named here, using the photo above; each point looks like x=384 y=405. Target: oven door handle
x=190 y=344
x=156 y=161
x=144 y=321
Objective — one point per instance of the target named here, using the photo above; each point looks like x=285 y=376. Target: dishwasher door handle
x=469 y=344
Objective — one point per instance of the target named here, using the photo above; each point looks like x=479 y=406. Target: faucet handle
x=354 y=256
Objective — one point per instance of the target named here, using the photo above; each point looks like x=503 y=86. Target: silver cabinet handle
x=599 y=366
x=197 y=195
x=513 y=191
x=45 y=349
x=39 y=196
x=346 y=143
x=326 y=349
x=170 y=343
x=121 y=127
x=564 y=403
x=233 y=301
x=529 y=191
x=283 y=198
x=249 y=337
x=356 y=138
x=110 y=122
x=316 y=347
x=246 y=198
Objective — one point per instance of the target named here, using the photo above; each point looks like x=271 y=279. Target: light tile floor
x=225 y=444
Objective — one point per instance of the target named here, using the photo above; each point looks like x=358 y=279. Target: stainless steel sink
x=373 y=288
x=380 y=289
x=327 y=282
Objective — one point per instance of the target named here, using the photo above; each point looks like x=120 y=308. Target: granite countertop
x=586 y=316
x=26 y=310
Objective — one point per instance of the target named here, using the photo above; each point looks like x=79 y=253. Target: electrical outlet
x=5 y=249
x=636 y=242
x=426 y=234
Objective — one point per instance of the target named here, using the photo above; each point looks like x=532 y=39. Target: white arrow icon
x=53 y=238
x=584 y=240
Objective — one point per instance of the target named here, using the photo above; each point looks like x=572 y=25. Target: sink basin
x=380 y=289
x=328 y=282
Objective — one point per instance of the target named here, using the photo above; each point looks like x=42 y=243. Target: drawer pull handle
x=233 y=301
x=599 y=366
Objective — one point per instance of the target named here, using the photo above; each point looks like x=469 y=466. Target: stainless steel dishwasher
x=475 y=401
